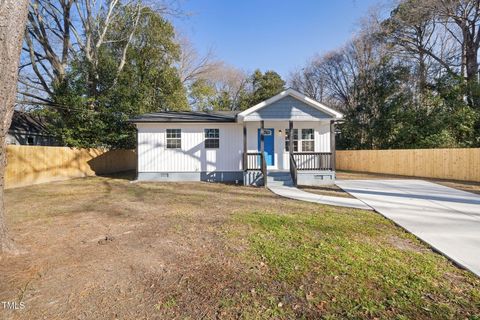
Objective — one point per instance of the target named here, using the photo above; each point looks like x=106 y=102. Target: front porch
x=289 y=152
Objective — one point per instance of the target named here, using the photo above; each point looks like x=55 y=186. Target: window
x=174 y=138
x=308 y=140
x=295 y=139
x=30 y=140
x=212 y=138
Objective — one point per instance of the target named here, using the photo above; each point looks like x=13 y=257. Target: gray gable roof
x=289 y=104
x=187 y=116
x=288 y=108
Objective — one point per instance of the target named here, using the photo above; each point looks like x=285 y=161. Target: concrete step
x=278 y=175
x=279 y=179
x=280 y=183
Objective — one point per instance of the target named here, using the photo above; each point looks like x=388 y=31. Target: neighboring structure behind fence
x=30 y=129
x=455 y=164
x=28 y=165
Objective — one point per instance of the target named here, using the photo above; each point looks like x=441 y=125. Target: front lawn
x=100 y=248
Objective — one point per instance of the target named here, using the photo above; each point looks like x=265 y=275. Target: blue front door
x=269 y=141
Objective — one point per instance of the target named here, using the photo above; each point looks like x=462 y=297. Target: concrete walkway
x=294 y=193
x=447 y=219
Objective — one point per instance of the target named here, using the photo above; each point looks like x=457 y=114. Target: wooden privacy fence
x=28 y=165
x=455 y=164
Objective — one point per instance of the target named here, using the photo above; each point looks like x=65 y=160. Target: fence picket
x=27 y=165
x=455 y=164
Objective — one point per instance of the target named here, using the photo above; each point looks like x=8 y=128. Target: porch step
x=279 y=178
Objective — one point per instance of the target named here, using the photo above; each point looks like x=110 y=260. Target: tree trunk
x=471 y=61
x=471 y=66
x=13 y=17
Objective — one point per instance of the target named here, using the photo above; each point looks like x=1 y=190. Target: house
x=289 y=134
x=29 y=129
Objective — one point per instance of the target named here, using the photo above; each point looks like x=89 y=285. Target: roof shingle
x=187 y=116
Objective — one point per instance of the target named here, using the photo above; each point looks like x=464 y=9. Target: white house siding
x=282 y=161
x=153 y=156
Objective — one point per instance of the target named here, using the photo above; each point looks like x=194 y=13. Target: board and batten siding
x=153 y=156
x=282 y=160
x=288 y=108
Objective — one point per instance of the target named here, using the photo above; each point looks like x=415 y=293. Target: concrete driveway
x=447 y=219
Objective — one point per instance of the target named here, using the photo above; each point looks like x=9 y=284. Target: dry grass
x=105 y=248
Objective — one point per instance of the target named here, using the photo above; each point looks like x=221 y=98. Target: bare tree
x=336 y=77
x=418 y=25
x=309 y=80
x=410 y=37
x=462 y=19
x=193 y=66
x=229 y=81
x=344 y=78
x=13 y=16
x=61 y=30
x=221 y=79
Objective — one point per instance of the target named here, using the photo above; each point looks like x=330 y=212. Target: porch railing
x=309 y=161
x=293 y=169
x=313 y=160
x=255 y=161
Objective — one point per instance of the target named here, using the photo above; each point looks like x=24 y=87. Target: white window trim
x=286 y=141
x=206 y=138
x=308 y=140
x=167 y=138
x=300 y=140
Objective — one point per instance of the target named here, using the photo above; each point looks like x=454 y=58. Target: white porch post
x=262 y=152
x=245 y=156
x=332 y=145
x=290 y=136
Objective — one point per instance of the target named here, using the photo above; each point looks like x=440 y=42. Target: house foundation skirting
x=212 y=176
x=248 y=178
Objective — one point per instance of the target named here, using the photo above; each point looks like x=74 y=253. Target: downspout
x=138 y=155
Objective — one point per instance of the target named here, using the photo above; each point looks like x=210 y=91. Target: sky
x=270 y=35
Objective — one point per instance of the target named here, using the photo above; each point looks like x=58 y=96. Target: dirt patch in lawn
x=332 y=190
x=105 y=248
x=407 y=244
